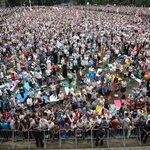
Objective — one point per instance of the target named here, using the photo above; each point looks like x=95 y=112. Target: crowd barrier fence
x=63 y=135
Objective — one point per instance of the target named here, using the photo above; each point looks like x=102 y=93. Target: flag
x=16 y=15
x=99 y=109
x=117 y=10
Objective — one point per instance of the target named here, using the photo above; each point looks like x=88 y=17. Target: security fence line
x=75 y=136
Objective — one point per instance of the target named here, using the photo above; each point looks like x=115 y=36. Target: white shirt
x=38 y=75
x=11 y=124
x=1 y=93
x=89 y=89
x=29 y=102
x=24 y=74
x=43 y=123
x=73 y=126
x=148 y=117
x=1 y=75
x=50 y=125
x=80 y=124
x=61 y=96
x=88 y=125
x=48 y=111
x=39 y=94
x=53 y=87
x=7 y=87
x=99 y=120
x=48 y=72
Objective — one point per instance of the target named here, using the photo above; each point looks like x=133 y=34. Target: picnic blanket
x=113 y=109
x=11 y=84
x=118 y=103
x=19 y=97
x=27 y=86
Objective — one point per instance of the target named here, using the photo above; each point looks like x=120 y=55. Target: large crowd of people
x=59 y=63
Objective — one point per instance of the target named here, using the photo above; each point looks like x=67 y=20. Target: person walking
x=146 y=132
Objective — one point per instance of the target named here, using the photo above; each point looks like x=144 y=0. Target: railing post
x=44 y=140
x=0 y=137
x=75 y=138
x=60 y=139
x=107 y=138
x=124 y=139
x=139 y=140
x=13 y=136
x=92 y=138
x=28 y=140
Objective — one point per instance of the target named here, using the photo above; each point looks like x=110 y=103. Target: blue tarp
x=64 y=4
x=19 y=97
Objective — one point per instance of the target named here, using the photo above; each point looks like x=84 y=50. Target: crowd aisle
x=71 y=67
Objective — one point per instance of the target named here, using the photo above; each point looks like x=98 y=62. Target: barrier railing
x=7 y=135
x=75 y=136
x=135 y=133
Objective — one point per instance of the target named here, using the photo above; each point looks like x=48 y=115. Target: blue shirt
x=5 y=126
x=104 y=89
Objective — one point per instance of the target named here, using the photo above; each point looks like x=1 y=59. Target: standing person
x=146 y=132
x=64 y=67
x=70 y=76
x=53 y=69
x=48 y=64
x=22 y=91
x=123 y=86
x=104 y=90
x=43 y=68
x=148 y=87
x=55 y=56
x=37 y=135
x=100 y=136
x=7 y=88
x=116 y=86
x=1 y=106
x=38 y=76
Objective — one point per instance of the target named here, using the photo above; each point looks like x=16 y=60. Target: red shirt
x=25 y=53
x=13 y=77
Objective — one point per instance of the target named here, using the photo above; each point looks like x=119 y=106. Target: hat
x=127 y=120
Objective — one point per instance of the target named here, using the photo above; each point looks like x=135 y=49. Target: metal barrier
x=62 y=136
x=7 y=135
x=117 y=133
x=80 y=134
x=135 y=133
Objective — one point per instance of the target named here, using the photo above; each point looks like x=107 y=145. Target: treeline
x=79 y=2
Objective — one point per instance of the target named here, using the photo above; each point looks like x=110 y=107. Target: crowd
x=82 y=59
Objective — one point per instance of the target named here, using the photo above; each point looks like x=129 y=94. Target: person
x=53 y=69
x=100 y=136
x=70 y=76
x=22 y=91
x=74 y=41
x=37 y=135
x=39 y=77
x=145 y=132
x=123 y=86
x=64 y=68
